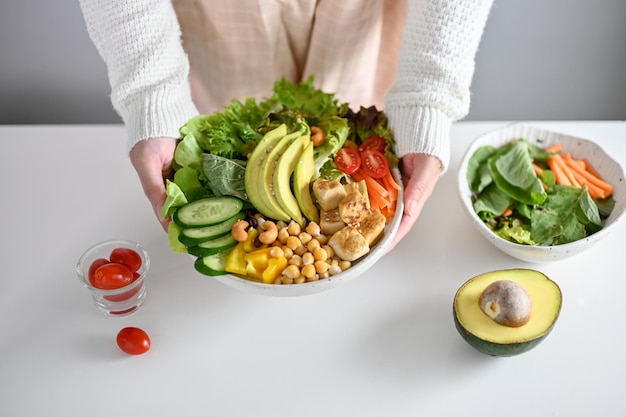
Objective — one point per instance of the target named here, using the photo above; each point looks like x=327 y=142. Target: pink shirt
x=238 y=49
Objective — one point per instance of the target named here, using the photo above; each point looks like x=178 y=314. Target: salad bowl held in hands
x=522 y=246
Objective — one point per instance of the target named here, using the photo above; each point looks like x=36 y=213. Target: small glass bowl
x=118 y=302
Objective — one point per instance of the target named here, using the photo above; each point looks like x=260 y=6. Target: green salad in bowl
x=285 y=196
x=540 y=195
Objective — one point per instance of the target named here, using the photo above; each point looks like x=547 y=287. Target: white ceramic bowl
x=610 y=170
x=358 y=267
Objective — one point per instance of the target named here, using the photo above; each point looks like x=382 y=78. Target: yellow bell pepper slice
x=275 y=267
x=236 y=260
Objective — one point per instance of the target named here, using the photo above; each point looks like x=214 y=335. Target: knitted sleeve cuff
x=160 y=114
x=420 y=130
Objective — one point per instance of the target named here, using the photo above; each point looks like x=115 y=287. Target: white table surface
x=381 y=345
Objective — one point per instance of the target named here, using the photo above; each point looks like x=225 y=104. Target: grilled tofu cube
x=330 y=222
x=354 y=208
x=360 y=187
x=328 y=193
x=349 y=244
x=372 y=226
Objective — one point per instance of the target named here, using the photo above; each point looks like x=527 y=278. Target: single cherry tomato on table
x=133 y=340
x=127 y=257
x=374 y=163
x=347 y=160
x=375 y=143
x=111 y=276
x=91 y=274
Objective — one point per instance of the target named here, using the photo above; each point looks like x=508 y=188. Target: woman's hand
x=152 y=159
x=420 y=173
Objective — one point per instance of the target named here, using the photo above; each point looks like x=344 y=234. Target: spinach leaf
x=225 y=176
x=514 y=174
x=478 y=176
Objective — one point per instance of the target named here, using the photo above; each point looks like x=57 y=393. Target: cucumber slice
x=212 y=265
x=196 y=235
x=213 y=246
x=207 y=211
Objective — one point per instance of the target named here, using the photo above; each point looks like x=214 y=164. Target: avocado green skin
x=498 y=349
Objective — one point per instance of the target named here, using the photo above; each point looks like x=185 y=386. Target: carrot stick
x=390 y=182
x=556 y=148
x=537 y=169
x=595 y=192
x=592 y=179
x=372 y=184
x=559 y=175
x=590 y=168
x=564 y=177
x=507 y=212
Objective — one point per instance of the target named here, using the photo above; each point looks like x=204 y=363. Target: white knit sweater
x=140 y=41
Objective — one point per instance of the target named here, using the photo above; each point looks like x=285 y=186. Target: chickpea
x=294 y=228
x=300 y=250
x=323 y=239
x=320 y=254
x=329 y=250
x=344 y=265
x=291 y=272
x=305 y=237
x=283 y=235
x=293 y=242
x=308 y=271
x=321 y=267
x=313 y=245
x=287 y=252
x=296 y=260
x=334 y=270
x=308 y=258
x=313 y=229
x=277 y=252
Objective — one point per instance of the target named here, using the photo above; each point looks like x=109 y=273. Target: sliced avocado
x=266 y=179
x=282 y=178
x=258 y=195
x=302 y=175
x=491 y=338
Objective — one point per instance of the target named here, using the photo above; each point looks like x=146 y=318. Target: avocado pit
x=507 y=303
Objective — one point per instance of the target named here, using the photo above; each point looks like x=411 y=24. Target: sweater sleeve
x=434 y=73
x=140 y=42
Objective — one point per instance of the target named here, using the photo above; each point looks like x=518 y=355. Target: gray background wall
x=538 y=60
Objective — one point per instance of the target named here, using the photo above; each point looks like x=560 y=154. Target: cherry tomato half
x=347 y=160
x=111 y=276
x=127 y=257
x=91 y=274
x=374 y=163
x=375 y=143
x=133 y=340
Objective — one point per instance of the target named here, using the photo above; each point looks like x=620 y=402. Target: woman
x=169 y=61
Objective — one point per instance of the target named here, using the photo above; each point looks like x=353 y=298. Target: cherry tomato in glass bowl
x=92 y=269
x=374 y=163
x=112 y=276
x=133 y=340
x=127 y=257
x=375 y=143
x=347 y=160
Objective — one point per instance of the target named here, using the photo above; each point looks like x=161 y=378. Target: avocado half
x=491 y=338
